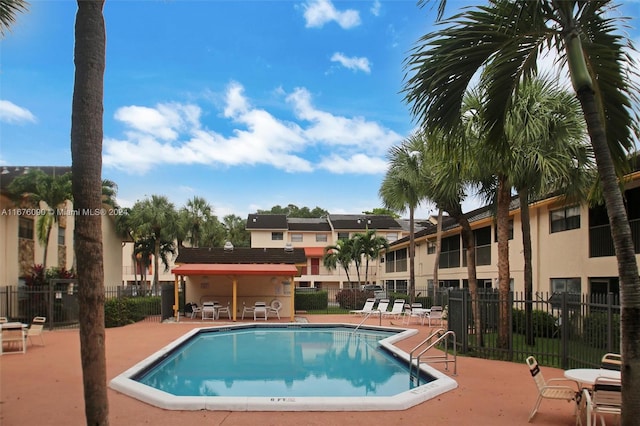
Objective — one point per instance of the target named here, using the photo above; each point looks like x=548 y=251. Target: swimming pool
x=267 y=367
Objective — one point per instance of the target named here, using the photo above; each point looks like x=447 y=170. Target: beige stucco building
x=314 y=234
x=19 y=246
x=572 y=249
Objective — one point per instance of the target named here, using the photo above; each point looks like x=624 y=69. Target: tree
x=8 y=11
x=48 y=194
x=86 y=165
x=504 y=39
x=341 y=253
x=236 y=231
x=383 y=211
x=155 y=217
x=546 y=133
x=404 y=187
x=369 y=245
x=294 y=211
x=195 y=215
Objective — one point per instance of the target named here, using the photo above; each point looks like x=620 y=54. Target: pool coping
x=124 y=383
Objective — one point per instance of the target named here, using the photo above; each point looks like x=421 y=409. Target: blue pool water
x=288 y=362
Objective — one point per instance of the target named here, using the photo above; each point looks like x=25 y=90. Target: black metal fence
x=58 y=302
x=566 y=330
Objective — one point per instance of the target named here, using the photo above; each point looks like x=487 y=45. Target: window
x=392 y=236
x=296 y=238
x=344 y=236
x=61 y=235
x=482 y=240
x=450 y=252
x=25 y=228
x=396 y=261
x=431 y=247
x=568 y=285
x=277 y=236
x=565 y=219
x=321 y=238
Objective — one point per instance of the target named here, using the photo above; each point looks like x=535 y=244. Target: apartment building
x=314 y=234
x=20 y=249
x=571 y=243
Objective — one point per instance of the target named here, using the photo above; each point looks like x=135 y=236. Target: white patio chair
x=570 y=391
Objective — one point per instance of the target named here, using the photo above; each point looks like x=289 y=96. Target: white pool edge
x=442 y=383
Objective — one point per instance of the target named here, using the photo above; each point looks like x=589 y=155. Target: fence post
x=564 y=331
x=610 y=323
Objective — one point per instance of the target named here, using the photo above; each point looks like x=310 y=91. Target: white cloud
x=354 y=63
x=358 y=163
x=319 y=12
x=172 y=133
x=375 y=9
x=14 y=114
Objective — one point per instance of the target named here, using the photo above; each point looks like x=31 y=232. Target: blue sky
x=248 y=104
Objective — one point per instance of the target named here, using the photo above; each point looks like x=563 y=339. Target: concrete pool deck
x=44 y=387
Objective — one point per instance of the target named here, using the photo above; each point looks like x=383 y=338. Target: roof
x=267 y=221
x=235 y=269
x=9 y=173
x=309 y=224
x=367 y=221
x=240 y=255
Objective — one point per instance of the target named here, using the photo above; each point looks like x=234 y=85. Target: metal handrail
x=442 y=335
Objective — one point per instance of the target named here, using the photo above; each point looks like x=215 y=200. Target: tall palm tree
x=8 y=11
x=47 y=193
x=340 y=253
x=403 y=188
x=236 y=230
x=370 y=245
x=155 y=217
x=546 y=133
x=86 y=165
x=505 y=39
x=197 y=212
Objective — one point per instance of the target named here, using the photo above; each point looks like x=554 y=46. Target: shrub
x=127 y=310
x=544 y=324
x=352 y=298
x=309 y=301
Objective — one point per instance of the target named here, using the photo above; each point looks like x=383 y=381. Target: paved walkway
x=44 y=387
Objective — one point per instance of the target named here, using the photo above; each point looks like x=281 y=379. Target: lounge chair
x=208 y=311
x=274 y=307
x=397 y=309
x=367 y=308
x=604 y=398
x=260 y=310
x=36 y=328
x=570 y=391
x=611 y=362
x=382 y=307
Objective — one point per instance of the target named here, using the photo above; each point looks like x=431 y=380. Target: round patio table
x=588 y=376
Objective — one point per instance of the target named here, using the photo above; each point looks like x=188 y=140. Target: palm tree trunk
x=86 y=151
x=412 y=255
x=156 y=263
x=625 y=255
x=470 y=243
x=523 y=195
x=504 y=279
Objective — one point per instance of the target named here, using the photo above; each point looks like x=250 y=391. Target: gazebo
x=238 y=276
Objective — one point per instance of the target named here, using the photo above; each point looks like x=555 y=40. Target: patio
x=490 y=392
